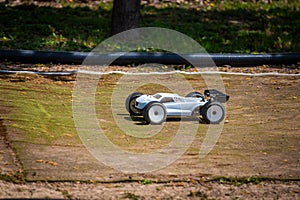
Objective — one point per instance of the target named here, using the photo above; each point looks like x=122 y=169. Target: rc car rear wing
x=216 y=95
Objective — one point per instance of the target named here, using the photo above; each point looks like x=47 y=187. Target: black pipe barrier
x=235 y=60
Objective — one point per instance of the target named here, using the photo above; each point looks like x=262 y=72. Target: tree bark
x=125 y=15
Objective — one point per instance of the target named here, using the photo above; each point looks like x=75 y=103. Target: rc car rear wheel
x=213 y=112
x=196 y=95
x=130 y=103
x=155 y=113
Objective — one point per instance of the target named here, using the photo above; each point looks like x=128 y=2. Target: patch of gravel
x=135 y=190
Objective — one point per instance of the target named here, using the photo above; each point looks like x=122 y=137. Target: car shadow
x=186 y=119
x=138 y=120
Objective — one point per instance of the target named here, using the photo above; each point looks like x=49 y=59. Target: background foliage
x=219 y=26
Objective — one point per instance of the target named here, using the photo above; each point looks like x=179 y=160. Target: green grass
x=41 y=112
x=235 y=26
x=240 y=181
x=231 y=26
x=146 y=181
x=32 y=27
x=17 y=177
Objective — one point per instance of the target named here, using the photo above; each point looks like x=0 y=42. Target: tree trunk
x=125 y=15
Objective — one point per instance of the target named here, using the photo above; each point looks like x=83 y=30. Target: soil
x=260 y=139
x=180 y=190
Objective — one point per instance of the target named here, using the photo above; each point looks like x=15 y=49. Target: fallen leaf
x=47 y=162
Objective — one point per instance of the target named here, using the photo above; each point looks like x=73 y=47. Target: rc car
x=156 y=108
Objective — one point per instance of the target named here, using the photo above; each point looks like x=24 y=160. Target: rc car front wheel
x=130 y=103
x=213 y=112
x=155 y=113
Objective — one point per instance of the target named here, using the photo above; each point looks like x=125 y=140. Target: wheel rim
x=132 y=106
x=156 y=114
x=215 y=113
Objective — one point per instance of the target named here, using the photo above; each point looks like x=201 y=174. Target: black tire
x=130 y=102
x=196 y=112
x=155 y=113
x=213 y=112
x=196 y=95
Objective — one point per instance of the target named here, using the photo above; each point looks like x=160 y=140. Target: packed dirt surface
x=258 y=149
x=178 y=190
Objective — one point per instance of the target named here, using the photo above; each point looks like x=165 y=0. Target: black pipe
x=235 y=60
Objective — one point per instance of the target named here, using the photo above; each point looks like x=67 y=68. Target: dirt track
x=260 y=139
x=181 y=190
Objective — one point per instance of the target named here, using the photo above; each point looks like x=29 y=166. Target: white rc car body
x=156 y=108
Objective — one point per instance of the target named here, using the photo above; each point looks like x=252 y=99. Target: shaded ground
x=260 y=139
x=218 y=26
